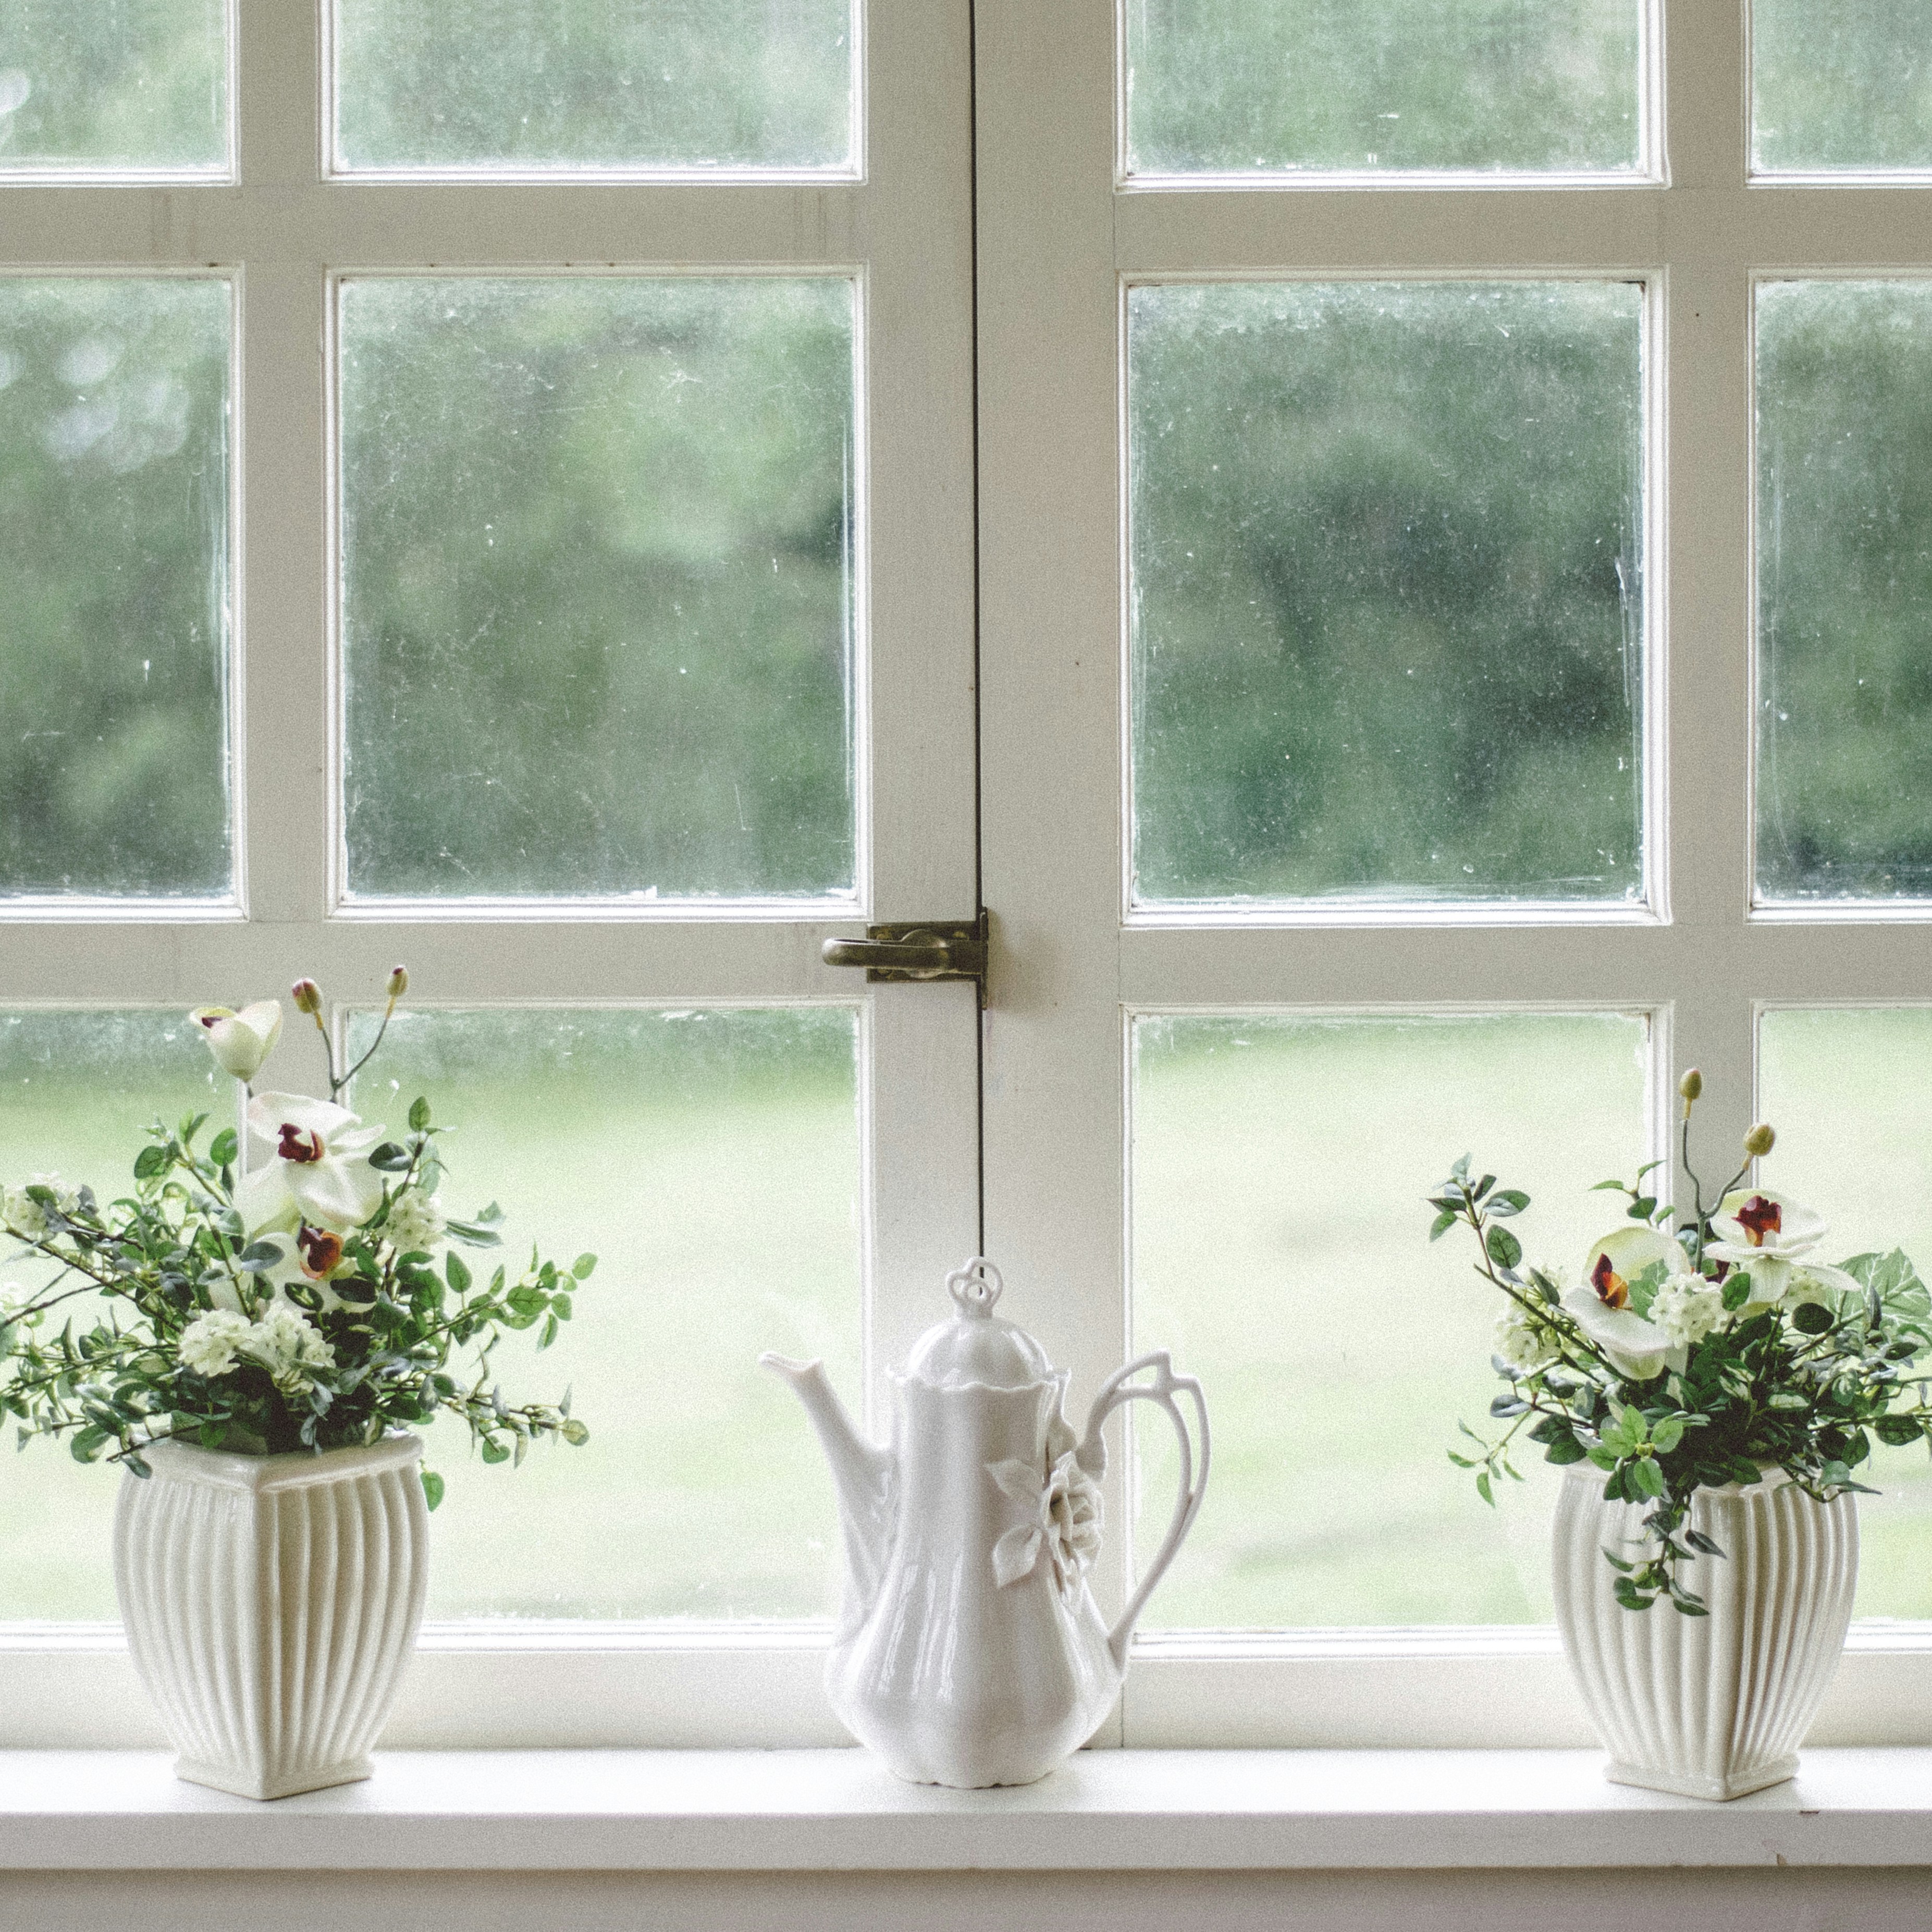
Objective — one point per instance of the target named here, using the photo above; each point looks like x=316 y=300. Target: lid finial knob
x=976 y=1287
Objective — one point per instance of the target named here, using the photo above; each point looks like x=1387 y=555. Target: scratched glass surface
x=114 y=617
x=599 y=623
x=103 y=86
x=1477 y=86
x=1844 y=88
x=1280 y=1249
x=710 y=1158
x=561 y=85
x=1844 y=590
x=1850 y=1094
x=1385 y=622
x=77 y=1089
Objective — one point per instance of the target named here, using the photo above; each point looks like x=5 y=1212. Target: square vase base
x=1687 y=1786
x=243 y=1784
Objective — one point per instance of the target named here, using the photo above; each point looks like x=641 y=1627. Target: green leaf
x=1443 y=1222
x=1608 y=1187
x=583 y=1267
x=1505 y=1249
x=1510 y=1199
x=1642 y=1207
x=419 y=1114
x=1897 y=1431
x=1736 y=1292
x=258 y=1255
x=151 y=1161
x=1482 y=1186
x=1616 y=1562
x=1698 y=1541
x=493 y=1451
x=222 y=1149
x=390 y=1158
x=1665 y=1435
x=456 y=1271
x=1642 y=1475
x=1564 y=1449
x=1811 y=1318
x=432 y=1485
x=1484 y=1490
x=574 y=1432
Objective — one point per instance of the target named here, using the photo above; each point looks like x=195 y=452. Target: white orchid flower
x=1635 y=1347
x=317 y=1169
x=241 y=1041
x=1770 y=1235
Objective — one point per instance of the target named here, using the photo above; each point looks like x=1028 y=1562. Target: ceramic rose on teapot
x=971 y=1651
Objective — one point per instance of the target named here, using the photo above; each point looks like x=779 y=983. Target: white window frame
x=284 y=231
x=1059 y=235
x=1074 y=960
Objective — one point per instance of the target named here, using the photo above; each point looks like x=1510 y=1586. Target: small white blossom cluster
x=1687 y=1307
x=282 y=1340
x=1522 y=1341
x=25 y=1215
x=416 y=1223
x=12 y=1298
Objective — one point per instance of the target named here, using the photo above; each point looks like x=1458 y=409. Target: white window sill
x=839 y=1810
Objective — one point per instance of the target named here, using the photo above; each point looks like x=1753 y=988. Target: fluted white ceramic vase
x=271 y=1604
x=1711 y=1706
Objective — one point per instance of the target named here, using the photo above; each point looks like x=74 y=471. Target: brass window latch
x=920 y=949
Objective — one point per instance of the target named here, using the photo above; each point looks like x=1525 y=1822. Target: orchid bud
x=399 y=981
x=241 y=1041
x=1691 y=1086
x=307 y=995
x=1760 y=1141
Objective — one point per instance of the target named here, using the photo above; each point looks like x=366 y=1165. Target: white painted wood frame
x=281 y=232
x=1062 y=235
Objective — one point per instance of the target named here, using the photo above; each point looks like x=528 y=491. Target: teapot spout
x=861 y=1472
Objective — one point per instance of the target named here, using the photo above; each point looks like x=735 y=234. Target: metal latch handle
x=913 y=950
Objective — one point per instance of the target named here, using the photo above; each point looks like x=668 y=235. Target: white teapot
x=970 y=1652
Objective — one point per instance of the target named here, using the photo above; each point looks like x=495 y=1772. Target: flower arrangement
x=1690 y=1360
x=292 y=1302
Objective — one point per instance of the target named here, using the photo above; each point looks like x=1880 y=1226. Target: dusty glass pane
x=1844 y=590
x=114 y=554
x=99 y=86
x=1386 y=618
x=1279 y=1235
x=709 y=1157
x=1850 y=1094
x=1485 y=86
x=1846 y=87
x=598 y=606
x=522 y=84
x=76 y=1090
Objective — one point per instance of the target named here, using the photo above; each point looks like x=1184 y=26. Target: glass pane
x=563 y=84
x=1844 y=591
x=1850 y=1094
x=598 y=586
x=1280 y=1241
x=1386 y=618
x=103 y=86
x=114 y=553
x=76 y=1090
x=709 y=1157
x=1483 y=86
x=1843 y=87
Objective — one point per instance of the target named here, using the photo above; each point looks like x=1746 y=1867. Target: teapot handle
x=1119 y=1389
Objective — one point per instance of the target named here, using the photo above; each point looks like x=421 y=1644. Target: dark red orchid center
x=321 y=1253
x=1759 y=1217
x=211 y=1021
x=300 y=1147
x=1612 y=1291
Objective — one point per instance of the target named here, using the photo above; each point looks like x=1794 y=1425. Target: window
x=1374 y=494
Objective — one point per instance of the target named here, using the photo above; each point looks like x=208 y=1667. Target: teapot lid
x=976 y=1347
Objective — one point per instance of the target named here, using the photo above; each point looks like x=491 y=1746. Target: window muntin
x=93 y=87
x=1385 y=610
x=601 y=599
x=114 y=538
x=704 y=88
x=1254 y=89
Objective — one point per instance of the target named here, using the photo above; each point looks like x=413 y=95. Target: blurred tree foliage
x=1846 y=86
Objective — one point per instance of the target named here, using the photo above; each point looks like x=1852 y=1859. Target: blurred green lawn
x=711 y=1159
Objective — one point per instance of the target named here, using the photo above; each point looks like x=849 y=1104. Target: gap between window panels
x=117 y=483
x=700 y=90
x=1387 y=612
x=626 y=1131
x=601 y=640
